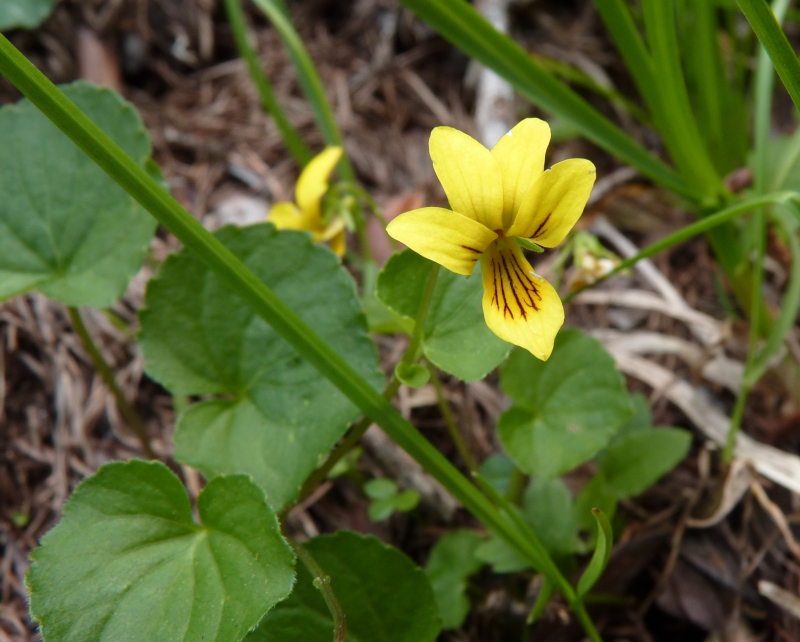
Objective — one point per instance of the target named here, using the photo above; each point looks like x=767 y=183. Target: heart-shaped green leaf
x=127 y=563
x=547 y=507
x=456 y=337
x=25 y=14
x=496 y=471
x=66 y=228
x=567 y=408
x=384 y=595
x=640 y=420
x=638 y=461
x=451 y=562
x=275 y=415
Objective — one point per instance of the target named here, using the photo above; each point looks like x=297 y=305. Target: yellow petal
x=555 y=202
x=339 y=243
x=286 y=216
x=336 y=226
x=334 y=235
x=519 y=306
x=444 y=236
x=520 y=154
x=313 y=181
x=470 y=176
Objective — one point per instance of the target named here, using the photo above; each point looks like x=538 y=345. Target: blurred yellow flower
x=307 y=213
x=500 y=198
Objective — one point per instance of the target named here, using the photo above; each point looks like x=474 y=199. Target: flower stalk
x=354 y=435
x=322 y=582
x=450 y=422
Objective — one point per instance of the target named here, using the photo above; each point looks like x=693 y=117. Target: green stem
x=105 y=372
x=586 y=621
x=322 y=581
x=736 y=422
x=516 y=486
x=542 y=600
x=690 y=231
x=790 y=305
x=355 y=434
x=411 y=355
x=264 y=302
x=359 y=192
x=347 y=444
x=309 y=79
x=179 y=404
x=302 y=154
x=450 y=422
x=764 y=84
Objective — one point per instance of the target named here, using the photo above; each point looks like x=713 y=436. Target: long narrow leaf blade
x=462 y=25
x=290 y=136
x=682 y=134
x=769 y=32
x=790 y=306
x=617 y=18
x=309 y=79
x=602 y=552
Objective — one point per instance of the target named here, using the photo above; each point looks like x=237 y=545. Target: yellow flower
x=497 y=197
x=307 y=213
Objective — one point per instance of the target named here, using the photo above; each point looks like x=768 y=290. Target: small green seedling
x=386 y=499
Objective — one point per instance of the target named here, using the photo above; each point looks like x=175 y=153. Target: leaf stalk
x=104 y=370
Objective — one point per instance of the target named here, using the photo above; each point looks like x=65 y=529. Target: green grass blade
x=577 y=77
x=681 y=133
x=764 y=85
x=601 y=555
x=542 y=600
x=141 y=186
x=769 y=32
x=294 y=143
x=760 y=321
x=719 y=104
x=462 y=25
x=618 y=20
x=309 y=79
x=787 y=162
x=790 y=306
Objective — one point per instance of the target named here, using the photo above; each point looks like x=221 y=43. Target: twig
x=777 y=516
x=105 y=372
x=706 y=328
